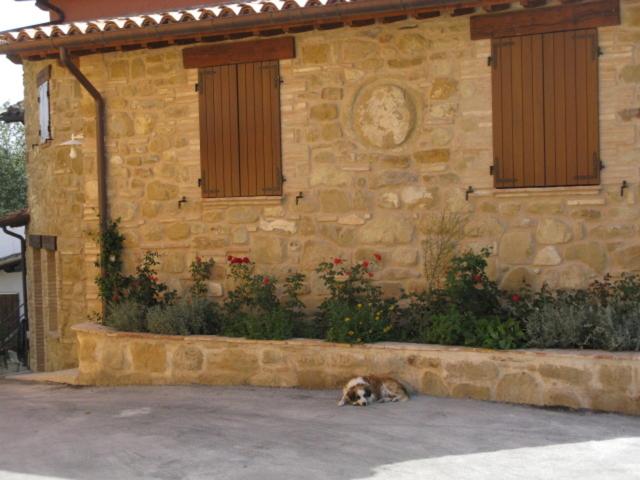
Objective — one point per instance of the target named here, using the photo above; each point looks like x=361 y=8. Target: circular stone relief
x=383 y=115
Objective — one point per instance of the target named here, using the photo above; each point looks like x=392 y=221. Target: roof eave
x=256 y=23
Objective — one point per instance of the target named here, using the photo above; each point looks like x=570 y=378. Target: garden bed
x=568 y=378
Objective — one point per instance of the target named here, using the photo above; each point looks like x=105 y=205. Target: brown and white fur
x=362 y=391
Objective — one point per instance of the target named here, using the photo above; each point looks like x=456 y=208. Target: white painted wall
x=11 y=282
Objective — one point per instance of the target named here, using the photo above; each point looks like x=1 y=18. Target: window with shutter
x=240 y=130
x=545 y=109
x=44 y=118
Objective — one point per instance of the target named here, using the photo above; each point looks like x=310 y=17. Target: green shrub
x=200 y=272
x=576 y=322
x=360 y=323
x=457 y=328
x=189 y=316
x=253 y=308
x=275 y=324
x=468 y=287
x=115 y=287
x=127 y=316
x=355 y=311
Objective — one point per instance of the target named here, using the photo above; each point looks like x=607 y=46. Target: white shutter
x=45 y=124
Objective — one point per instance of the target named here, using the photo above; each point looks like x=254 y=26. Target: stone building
x=523 y=114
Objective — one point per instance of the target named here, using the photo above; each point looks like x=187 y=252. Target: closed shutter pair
x=545 y=109
x=240 y=130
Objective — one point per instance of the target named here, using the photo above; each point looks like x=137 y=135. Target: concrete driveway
x=59 y=432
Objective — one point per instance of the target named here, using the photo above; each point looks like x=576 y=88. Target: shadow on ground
x=198 y=432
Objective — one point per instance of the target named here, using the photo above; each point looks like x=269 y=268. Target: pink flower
x=365 y=264
x=370 y=274
x=337 y=261
x=378 y=257
x=477 y=278
x=515 y=298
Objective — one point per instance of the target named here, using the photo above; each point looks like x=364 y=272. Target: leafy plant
x=469 y=288
x=604 y=316
x=254 y=310
x=115 y=287
x=127 y=316
x=188 y=316
x=352 y=295
x=200 y=272
x=144 y=287
x=13 y=178
x=111 y=282
x=362 y=323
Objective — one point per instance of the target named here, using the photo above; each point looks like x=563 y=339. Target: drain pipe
x=100 y=146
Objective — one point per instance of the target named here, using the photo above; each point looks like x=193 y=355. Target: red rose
x=515 y=298
x=365 y=264
x=477 y=278
x=265 y=281
x=245 y=260
x=370 y=274
x=229 y=258
x=236 y=260
x=337 y=261
x=377 y=256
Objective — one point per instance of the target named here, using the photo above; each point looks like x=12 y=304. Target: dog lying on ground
x=362 y=391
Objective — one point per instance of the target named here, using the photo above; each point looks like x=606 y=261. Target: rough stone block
x=189 y=358
x=148 y=357
x=519 y=388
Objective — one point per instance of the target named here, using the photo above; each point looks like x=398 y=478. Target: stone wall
x=383 y=127
x=574 y=379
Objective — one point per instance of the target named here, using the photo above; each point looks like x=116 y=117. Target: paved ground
x=58 y=432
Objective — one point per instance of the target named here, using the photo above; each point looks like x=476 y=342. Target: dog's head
x=359 y=395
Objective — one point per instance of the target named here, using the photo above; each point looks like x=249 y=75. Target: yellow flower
x=347 y=319
x=350 y=333
x=359 y=340
x=359 y=305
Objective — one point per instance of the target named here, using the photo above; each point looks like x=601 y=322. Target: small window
x=240 y=130
x=44 y=110
x=545 y=109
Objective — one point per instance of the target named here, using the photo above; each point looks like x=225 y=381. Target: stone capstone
x=383 y=115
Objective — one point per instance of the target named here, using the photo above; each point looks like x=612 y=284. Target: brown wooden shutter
x=545 y=108
x=240 y=130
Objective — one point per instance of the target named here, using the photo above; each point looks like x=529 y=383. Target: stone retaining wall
x=576 y=379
